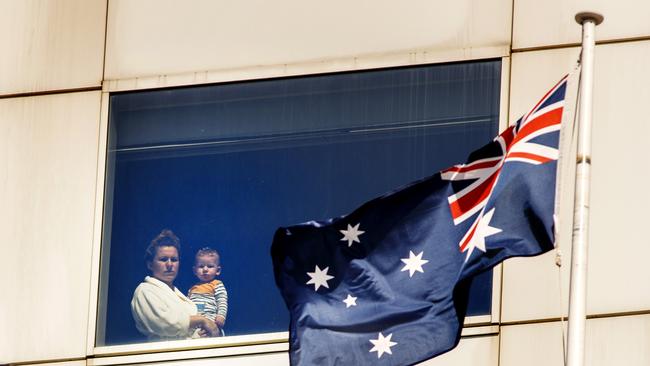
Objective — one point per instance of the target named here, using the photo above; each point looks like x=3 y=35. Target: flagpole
x=578 y=287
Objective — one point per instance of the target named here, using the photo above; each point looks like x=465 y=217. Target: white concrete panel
x=618 y=274
x=531 y=345
x=48 y=169
x=475 y=351
x=609 y=341
x=160 y=38
x=49 y=45
x=63 y=363
x=618 y=341
x=531 y=288
x=267 y=359
x=552 y=22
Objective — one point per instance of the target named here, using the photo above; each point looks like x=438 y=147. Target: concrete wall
x=618 y=300
x=62 y=58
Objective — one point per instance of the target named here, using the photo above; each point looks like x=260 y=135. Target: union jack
x=515 y=144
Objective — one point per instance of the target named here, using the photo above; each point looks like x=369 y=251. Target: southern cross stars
x=350 y=301
x=414 y=263
x=351 y=235
x=319 y=278
x=382 y=345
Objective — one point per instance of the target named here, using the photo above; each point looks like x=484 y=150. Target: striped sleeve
x=221 y=296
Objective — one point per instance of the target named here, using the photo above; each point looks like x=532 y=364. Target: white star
x=483 y=230
x=319 y=278
x=382 y=345
x=414 y=263
x=350 y=301
x=351 y=235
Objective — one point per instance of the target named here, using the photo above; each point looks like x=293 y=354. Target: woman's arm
x=159 y=315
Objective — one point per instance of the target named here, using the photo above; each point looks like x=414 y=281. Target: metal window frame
x=265 y=342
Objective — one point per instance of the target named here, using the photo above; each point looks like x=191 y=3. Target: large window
x=225 y=165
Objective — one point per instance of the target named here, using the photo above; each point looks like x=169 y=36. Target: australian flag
x=387 y=284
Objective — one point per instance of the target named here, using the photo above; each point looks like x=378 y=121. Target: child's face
x=207 y=267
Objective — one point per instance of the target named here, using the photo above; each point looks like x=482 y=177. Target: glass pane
x=225 y=165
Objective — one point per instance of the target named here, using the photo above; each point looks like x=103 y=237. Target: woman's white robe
x=160 y=312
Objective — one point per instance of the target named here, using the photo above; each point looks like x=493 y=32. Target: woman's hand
x=208 y=328
x=220 y=321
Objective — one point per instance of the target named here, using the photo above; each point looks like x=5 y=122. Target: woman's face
x=165 y=265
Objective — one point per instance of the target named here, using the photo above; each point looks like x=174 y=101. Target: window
x=225 y=165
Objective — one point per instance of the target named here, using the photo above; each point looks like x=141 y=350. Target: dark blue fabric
x=423 y=313
x=556 y=96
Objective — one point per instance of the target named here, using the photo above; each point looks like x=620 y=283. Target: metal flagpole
x=578 y=287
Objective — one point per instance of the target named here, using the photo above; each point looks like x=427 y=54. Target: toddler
x=209 y=295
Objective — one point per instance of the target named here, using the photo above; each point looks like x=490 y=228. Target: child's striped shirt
x=210 y=298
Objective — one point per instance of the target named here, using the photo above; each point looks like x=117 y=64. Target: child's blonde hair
x=205 y=252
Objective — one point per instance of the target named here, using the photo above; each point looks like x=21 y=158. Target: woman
x=160 y=310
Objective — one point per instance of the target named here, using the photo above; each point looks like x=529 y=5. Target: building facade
x=63 y=60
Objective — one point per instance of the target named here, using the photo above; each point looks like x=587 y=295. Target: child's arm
x=221 y=296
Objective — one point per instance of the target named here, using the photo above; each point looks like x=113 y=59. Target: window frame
x=251 y=343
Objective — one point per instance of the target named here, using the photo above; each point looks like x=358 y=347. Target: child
x=209 y=295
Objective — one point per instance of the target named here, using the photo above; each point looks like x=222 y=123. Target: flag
x=388 y=283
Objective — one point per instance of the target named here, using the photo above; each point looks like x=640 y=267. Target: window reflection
x=222 y=166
